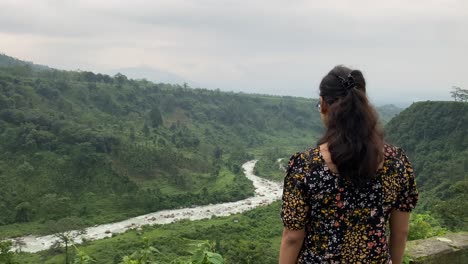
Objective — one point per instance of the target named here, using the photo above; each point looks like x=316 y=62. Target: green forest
x=79 y=148
x=97 y=148
x=435 y=136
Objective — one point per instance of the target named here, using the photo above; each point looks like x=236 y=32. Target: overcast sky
x=408 y=50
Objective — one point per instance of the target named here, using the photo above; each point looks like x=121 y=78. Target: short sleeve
x=294 y=210
x=408 y=195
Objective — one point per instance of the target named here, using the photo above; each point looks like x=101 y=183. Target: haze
x=408 y=50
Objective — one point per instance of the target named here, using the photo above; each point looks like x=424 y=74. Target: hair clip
x=348 y=83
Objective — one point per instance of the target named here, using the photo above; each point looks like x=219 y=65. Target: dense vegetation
x=435 y=136
x=98 y=148
x=78 y=148
x=251 y=237
x=387 y=112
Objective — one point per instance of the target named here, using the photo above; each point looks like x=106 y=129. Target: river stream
x=265 y=193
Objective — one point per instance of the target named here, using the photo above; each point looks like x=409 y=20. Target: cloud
x=408 y=49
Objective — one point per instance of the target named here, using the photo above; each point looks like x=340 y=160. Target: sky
x=408 y=50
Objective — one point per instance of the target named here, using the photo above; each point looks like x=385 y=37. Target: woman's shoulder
x=402 y=178
x=305 y=159
x=397 y=164
x=394 y=152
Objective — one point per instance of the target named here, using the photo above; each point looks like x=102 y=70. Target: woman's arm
x=399 y=227
x=400 y=215
x=291 y=244
x=294 y=209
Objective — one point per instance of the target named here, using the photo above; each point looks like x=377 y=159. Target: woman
x=339 y=195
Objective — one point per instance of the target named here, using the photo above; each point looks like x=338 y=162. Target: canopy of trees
x=102 y=148
x=435 y=135
x=459 y=94
x=86 y=148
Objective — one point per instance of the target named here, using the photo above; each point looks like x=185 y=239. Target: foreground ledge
x=450 y=248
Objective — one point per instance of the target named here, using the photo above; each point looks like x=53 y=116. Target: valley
x=127 y=159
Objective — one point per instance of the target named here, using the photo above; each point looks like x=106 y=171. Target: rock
x=451 y=248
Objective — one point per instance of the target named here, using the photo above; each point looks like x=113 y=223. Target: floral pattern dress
x=345 y=224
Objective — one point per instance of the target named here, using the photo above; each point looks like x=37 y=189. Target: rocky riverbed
x=265 y=193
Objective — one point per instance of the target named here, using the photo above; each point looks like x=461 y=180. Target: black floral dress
x=345 y=224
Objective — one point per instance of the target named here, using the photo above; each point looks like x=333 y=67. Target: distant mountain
x=152 y=74
x=435 y=136
x=7 y=61
x=387 y=112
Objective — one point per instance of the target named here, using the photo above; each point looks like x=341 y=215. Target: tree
x=146 y=131
x=459 y=94
x=120 y=79
x=54 y=206
x=6 y=255
x=66 y=230
x=423 y=226
x=23 y=212
x=155 y=117
x=218 y=153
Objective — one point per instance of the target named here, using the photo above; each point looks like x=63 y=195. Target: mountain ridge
x=435 y=136
x=98 y=148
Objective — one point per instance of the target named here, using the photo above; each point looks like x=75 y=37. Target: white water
x=281 y=166
x=265 y=193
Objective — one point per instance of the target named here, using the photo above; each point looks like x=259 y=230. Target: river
x=266 y=192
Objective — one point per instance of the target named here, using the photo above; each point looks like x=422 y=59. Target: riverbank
x=265 y=193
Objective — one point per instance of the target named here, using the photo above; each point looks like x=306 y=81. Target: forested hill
x=85 y=148
x=7 y=61
x=387 y=112
x=435 y=136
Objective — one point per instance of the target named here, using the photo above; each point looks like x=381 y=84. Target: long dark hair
x=354 y=136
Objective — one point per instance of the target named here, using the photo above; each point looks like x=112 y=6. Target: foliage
x=459 y=94
x=250 y=237
x=387 y=112
x=406 y=258
x=272 y=164
x=6 y=255
x=84 y=148
x=434 y=134
x=81 y=257
x=66 y=230
x=423 y=226
x=203 y=254
x=144 y=255
x=20 y=66
x=102 y=148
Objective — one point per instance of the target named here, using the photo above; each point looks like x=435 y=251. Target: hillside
x=387 y=112
x=91 y=148
x=7 y=61
x=79 y=148
x=435 y=136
